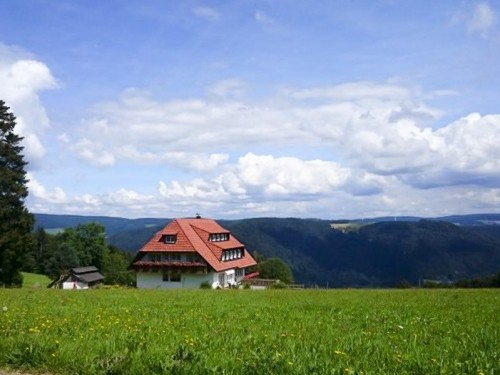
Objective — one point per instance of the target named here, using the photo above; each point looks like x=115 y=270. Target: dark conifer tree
x=16 y=222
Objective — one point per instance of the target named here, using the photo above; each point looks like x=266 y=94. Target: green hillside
x=33 y=280
x=383 y=253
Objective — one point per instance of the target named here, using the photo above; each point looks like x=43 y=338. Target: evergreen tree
x=16 y=222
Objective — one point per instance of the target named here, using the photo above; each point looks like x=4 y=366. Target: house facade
x=189 y=252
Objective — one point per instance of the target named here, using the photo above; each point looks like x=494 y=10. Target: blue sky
x=329 y=109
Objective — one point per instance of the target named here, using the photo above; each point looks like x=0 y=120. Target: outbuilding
x=78 y=278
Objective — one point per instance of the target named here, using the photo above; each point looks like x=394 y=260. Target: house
x=189 y=252
x=78 y=278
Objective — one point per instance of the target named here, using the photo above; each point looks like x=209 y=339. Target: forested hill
x=375 y=252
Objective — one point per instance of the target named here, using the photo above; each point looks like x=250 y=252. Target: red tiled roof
x=193 y=236
x=252 y=275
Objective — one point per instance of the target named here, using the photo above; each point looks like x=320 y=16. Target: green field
x=117 y=331
x=33 y=280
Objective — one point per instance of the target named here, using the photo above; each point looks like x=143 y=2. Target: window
x=232 y=254
x=155 y=257
x=217 y=237
x=175 y=257
x=238 y=272
x=175 y=277
x=170 y=238
x=171 y=276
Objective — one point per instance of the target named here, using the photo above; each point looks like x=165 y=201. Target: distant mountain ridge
x=381 y=252
x=116 y=224
x=112 y=224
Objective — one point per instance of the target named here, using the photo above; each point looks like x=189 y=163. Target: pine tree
x=16 y=222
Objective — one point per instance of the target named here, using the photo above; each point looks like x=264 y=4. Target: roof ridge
x=207 y=254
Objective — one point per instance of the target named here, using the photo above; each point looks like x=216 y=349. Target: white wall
x=194 y=281
x=154 y=280
x=74 y=285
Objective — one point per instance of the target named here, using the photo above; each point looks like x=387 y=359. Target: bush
x=278 y=285
x=205 y=285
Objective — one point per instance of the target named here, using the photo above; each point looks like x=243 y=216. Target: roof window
x=169 y=238
x=217 y=237
x=232 y=254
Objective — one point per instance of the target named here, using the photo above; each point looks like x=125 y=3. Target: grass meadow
x=119 y=331
x=33 y=280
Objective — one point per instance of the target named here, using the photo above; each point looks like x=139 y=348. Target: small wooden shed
x=78 y=278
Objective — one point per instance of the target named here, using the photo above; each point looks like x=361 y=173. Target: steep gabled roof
x=192 y=235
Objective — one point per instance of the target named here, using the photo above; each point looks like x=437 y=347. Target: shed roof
x=90 y=277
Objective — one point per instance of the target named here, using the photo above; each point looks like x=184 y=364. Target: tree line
x=84 y=245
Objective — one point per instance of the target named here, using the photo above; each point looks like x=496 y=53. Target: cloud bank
x=382 y=151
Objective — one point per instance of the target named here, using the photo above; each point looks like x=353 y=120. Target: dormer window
x=170 y=238
x=232 y=254
x=217 y=237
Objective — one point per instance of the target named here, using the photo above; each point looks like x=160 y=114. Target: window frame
x=170 y=239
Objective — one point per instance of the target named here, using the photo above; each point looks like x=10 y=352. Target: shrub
x=278 y=285
x=205 y=285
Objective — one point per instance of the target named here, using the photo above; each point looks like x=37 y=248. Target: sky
x=334 y=109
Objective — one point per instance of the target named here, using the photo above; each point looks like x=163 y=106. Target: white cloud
x=206 y=12
x=21 y=80
x=153 y=131
x=228 y=88
x=38 y=191
x=257 y=178
x=482 y=20
x=353 y=91
x=466 y=153
x=287 y=176
x=94 y=152
x=382 y=129
x=185 y=160
x=381 y=135
x=477 y=17
x=262 y=17
x=122 y=202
